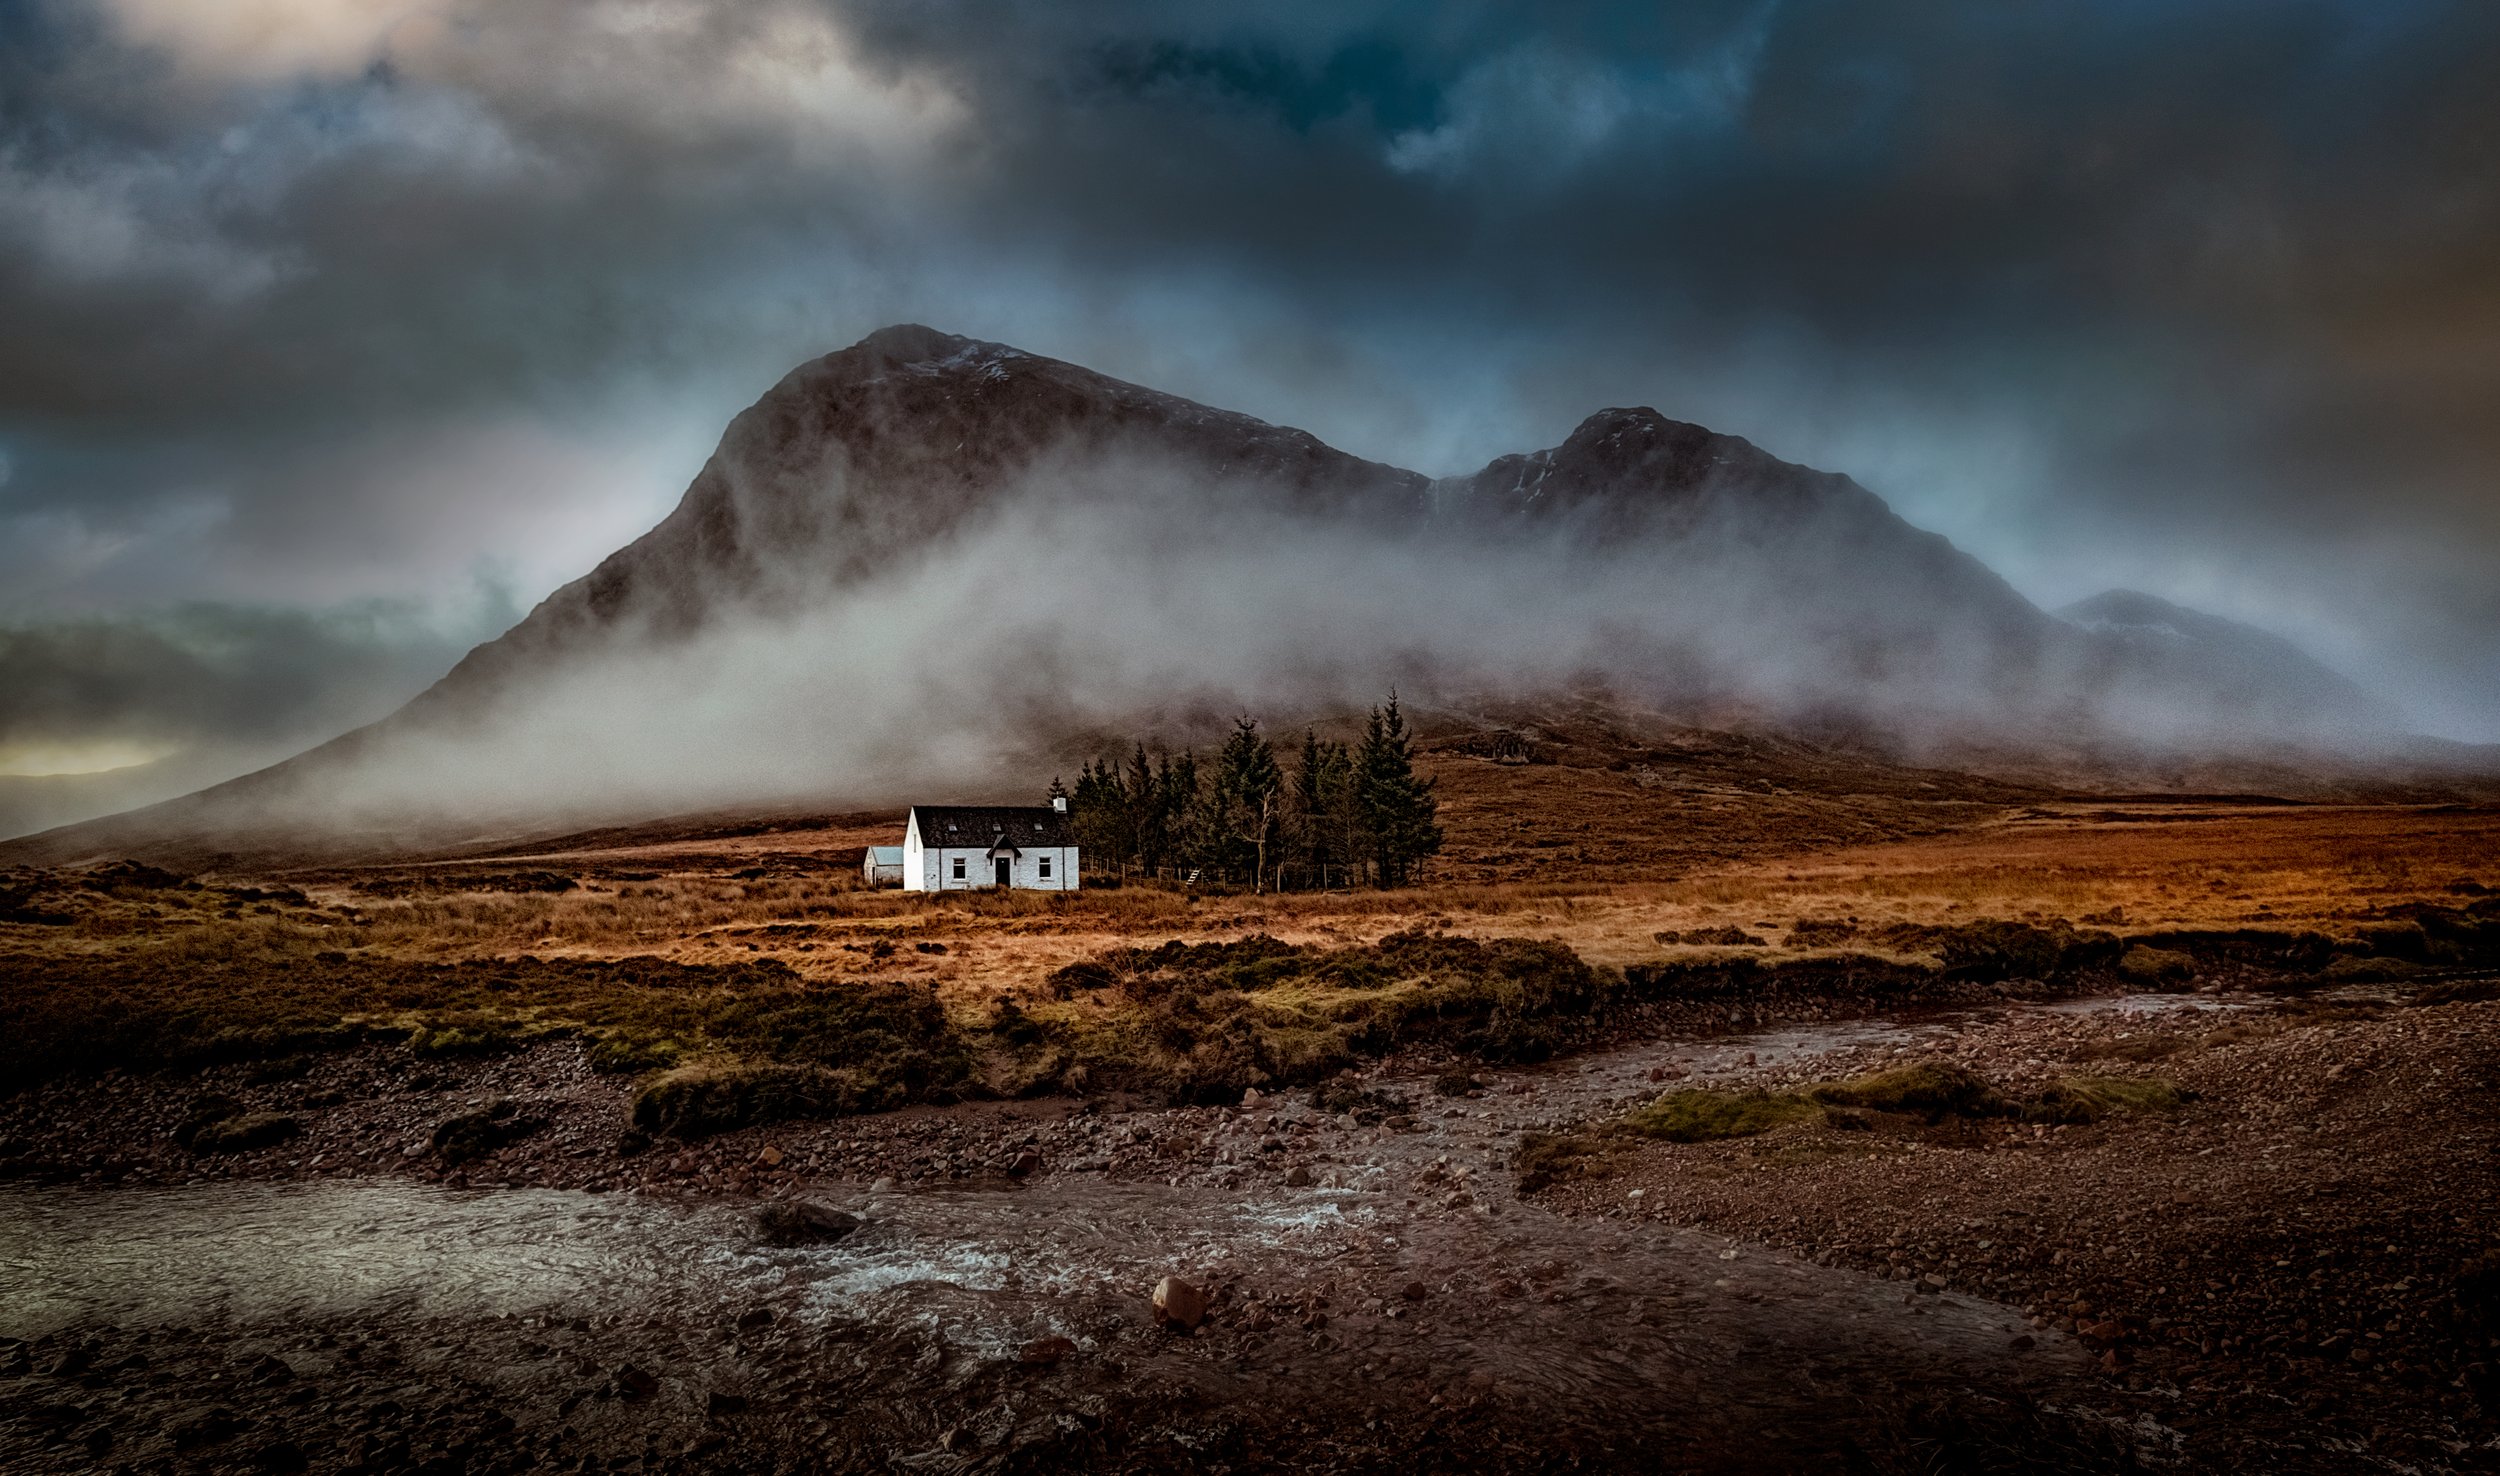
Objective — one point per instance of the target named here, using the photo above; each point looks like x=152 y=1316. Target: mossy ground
x=1202 y=1022
x=734 y=1043
x=1700 y=1115
x=1921 y=1094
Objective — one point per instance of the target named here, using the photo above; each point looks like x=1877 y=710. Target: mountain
x=888 y=448
x=924 y=553
x=860 y=458
x=2264 y=678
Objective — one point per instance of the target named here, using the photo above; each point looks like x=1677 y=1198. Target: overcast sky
x=333 y=332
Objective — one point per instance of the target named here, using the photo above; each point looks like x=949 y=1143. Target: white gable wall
x=914 y=858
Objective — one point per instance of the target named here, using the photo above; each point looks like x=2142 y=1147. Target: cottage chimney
x=1059 y=802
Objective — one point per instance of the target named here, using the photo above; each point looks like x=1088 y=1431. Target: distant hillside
x=2272 y=683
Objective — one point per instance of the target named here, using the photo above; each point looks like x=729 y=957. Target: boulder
x=802 y=1222
x=1991 y=951
x=1179 y=1304
x=207 y=1110
x=475 y=1134
x=207 y=1427
x=2144 y=965
x=1730 y=936
x=246 y=1132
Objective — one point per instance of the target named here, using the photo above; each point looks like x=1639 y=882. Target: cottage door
x=1005 y=874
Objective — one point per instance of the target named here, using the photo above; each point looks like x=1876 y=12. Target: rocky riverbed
x=474 y=1264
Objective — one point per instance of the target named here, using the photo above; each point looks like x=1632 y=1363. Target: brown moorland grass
x=2139 y=868
x=145 y=970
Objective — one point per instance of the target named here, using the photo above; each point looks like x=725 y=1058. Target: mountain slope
x=2262 y=676
x=922 y=559
x=861 y=457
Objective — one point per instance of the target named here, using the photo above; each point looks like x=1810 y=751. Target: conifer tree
x=1325 y=820
x=1397 y=806
x=1243 y=805
x=1179 y=815
x=1142 y=794
x=1098 y=812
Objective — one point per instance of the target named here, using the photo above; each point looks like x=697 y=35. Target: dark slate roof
x=983 y=825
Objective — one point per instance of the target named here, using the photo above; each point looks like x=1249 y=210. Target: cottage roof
x=886 y=855
x=989 y=825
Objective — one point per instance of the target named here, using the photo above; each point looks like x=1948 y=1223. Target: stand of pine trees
x=1334 y=815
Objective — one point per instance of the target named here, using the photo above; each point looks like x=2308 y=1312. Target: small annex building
x=955 y=848
x=882 y=866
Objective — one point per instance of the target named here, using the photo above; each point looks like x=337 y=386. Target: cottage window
x=959 y=868
x=1045 y=871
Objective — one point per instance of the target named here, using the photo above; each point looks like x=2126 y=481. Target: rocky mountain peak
x=914 y=343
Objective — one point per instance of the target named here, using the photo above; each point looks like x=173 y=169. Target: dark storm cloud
x=102 y=713
x=222 y=672
x=2200 y=296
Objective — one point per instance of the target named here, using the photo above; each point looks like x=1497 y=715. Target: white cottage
x=882 y=866
x=954 y=848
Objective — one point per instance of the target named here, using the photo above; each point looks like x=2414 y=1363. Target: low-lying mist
x=1096 y=603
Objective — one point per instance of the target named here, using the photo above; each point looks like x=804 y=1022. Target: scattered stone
x=1413 y=1291
x=1024 y=1165
x=1298 y=1177
x=1044 y=1352
x=721 y=1402
x=770 y=1157
x=634 y=1384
